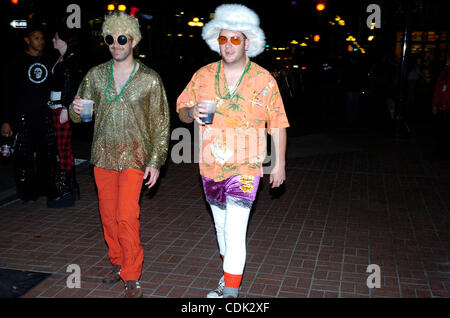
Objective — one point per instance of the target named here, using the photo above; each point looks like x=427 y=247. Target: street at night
x=363 y=209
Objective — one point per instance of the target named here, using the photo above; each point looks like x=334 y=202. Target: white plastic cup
x=210 y=110
x=86 y=112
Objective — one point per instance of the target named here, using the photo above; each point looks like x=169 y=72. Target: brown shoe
x=133 y=289
x=113 y=276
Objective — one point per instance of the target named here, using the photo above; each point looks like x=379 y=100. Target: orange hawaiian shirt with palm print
x=235 y=143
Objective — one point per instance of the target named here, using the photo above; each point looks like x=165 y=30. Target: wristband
x=189 y=113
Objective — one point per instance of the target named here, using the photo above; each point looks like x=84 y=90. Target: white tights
x=231 y=229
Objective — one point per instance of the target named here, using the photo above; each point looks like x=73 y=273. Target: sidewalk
x=370 y=203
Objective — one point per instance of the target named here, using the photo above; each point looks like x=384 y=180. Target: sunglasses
x=121 y=39
x=234 y=40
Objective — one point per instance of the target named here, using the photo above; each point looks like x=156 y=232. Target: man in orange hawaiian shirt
x=233 y=147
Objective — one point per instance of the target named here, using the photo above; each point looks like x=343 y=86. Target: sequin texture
x=132 y=132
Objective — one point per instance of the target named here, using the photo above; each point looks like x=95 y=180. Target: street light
x=320 y=6
x=195 y=23
x=113 y=6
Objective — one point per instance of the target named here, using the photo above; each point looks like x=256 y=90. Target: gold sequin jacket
x=132 y=132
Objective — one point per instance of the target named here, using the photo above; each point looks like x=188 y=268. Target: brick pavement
x=339 y=213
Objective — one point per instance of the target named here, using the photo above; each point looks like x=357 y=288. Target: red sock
x=233 y=281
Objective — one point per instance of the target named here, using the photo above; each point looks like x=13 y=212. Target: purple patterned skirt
x=240 y=189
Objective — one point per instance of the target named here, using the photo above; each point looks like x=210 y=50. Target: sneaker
x=133 y=289
x=218 y=292
x=113 y=276
x=229 y=292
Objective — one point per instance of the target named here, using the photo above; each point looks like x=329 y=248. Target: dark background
x=314 y=68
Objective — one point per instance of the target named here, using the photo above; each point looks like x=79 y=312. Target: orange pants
x=118 y=196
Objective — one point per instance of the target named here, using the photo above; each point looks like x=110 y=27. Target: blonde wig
x=120 y=22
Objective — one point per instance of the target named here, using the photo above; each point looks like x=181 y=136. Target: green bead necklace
x=230 y=94
x=110 y=80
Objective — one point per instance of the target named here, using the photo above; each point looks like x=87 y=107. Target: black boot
x=75 y=186
x=65 y=193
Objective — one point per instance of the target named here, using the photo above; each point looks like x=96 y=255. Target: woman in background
x=66 y=77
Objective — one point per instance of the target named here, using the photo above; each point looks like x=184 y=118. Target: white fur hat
x=238 y=18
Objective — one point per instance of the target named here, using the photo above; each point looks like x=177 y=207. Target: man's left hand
x=154 y=174
x=277 y=176
x=63 y=116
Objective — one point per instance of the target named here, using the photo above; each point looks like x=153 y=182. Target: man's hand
x=77 y=106
x=6 y=130
x=64 y=116
x=154 y=174
x=196 y=113
x=277 y=176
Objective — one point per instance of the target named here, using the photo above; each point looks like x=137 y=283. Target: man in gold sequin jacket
x=130 y=144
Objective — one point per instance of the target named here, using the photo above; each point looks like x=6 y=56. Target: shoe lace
x=221 y=286
x=132 y=285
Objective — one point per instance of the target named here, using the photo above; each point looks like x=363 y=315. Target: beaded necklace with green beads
x=110 y=80
x=230 y=94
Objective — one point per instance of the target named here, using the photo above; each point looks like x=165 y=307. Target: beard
x=122 y=56
x=235 y=56
x=234 y=59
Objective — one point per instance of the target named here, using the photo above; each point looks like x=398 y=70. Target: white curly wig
x=120 y=22
x=237 y=18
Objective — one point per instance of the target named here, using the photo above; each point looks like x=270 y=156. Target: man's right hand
x=6 y=130
x=198 y=112
x=77 y=106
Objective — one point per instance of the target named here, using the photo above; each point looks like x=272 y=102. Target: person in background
x=27 y=117
x=441 y=109
x=414 y=76
x=65 y=79
x=353 y=81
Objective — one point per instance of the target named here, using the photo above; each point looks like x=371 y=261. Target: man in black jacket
x=27 y=117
